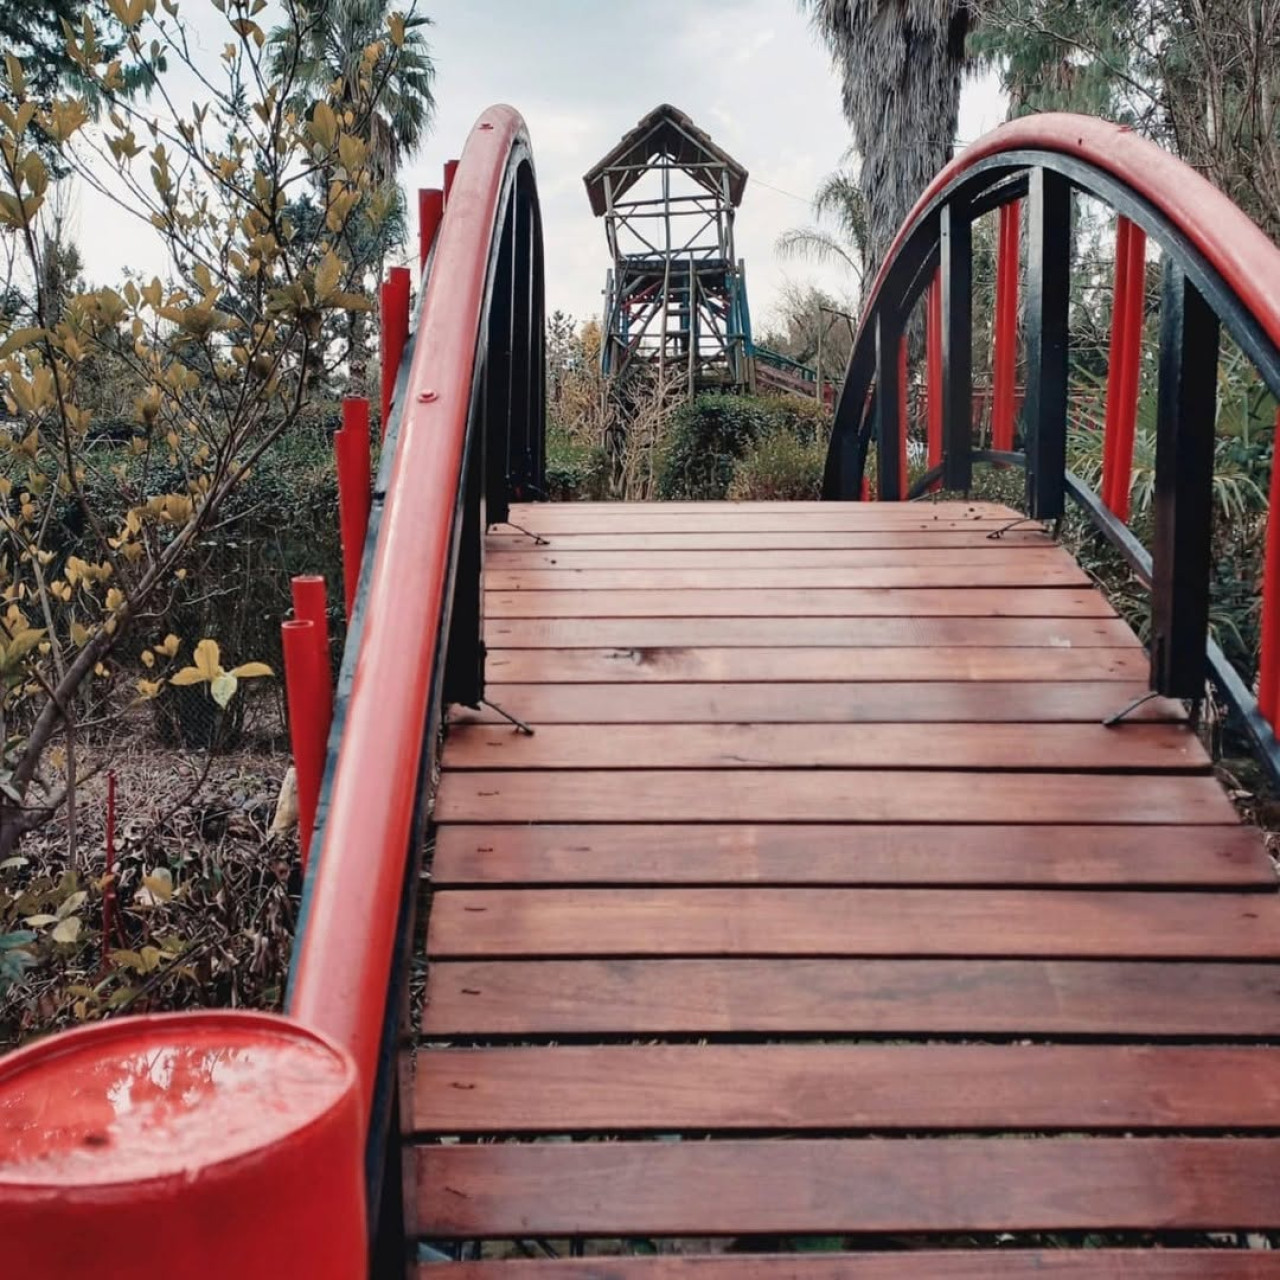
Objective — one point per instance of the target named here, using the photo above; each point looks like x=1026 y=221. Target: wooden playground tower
x=676 y=296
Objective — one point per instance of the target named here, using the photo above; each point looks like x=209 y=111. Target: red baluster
x=395 y=333
x=933 y=373
x=904 y=418
x=309 y=691
x=1122 y=374
x=430 y=213
x=1005 y=355
x=450 y=172
x=351 y=450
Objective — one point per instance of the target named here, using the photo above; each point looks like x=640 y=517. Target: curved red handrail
x=1232 y=243
x=346 y=951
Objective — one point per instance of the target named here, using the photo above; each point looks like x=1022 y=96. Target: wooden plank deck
x=822 y=904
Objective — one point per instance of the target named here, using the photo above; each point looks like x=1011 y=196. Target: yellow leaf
x=208 y=659
x=328 y=273
x=79 y=635
x=160 y=882
x=148 y=658
x=189 y=675
x=395 y=24
x=169 y=646
x=252 y=670
x=148 y=689
x=68 y=930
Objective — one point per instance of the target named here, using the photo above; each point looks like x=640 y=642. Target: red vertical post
x=430 y=213
x=304 y=678
x=904 y=418
x=355 y=495
x=933 y=373
x=450 y=172
x=309 y=689
x=1269 y=648
x=1005 y=353
x=1123 y=370
x=395 y=333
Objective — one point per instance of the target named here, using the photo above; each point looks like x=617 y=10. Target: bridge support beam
x=1186 y=415
x=1048 y=300
x=956 y=270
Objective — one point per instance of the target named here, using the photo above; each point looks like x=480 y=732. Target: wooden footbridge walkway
x=863 y=903
x=821 y=902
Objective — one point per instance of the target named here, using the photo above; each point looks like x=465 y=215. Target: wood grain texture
x=1150 y=748
x=870 y=1087
x=978 y=571
x=871 y=1185
x=959 y=1264
x=786 y=666
x=782 y=602
x=752 y=795
x=851 y=633
x=845 y=998
x=1073 y=924
x=581 y=854
x=891 y=702
x=948 y=534
x=983 y=551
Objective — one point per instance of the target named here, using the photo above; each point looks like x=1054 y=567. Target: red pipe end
x=450 y=172
x=310 y=701
x=430 y=215
x=150 y=1146
x=355 y=479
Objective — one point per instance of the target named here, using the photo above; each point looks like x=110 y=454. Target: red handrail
x=346 y=949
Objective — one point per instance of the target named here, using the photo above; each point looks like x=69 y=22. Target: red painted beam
x=1124 y=366
x=450 y=174
x=1005 y=352
x=304 y=677
x=933 y=372
x=355 y=493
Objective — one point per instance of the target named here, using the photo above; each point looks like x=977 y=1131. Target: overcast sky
x=583 y=72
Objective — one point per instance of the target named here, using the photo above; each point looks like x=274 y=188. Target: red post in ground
x=1269 y=649
x=904 y=418
x=450 y=172
x=933 y=373
x=1005 y=354
x=430 y=213
x=150 y=1147
x=395 y=333
x=355 y=494
x=308 y=692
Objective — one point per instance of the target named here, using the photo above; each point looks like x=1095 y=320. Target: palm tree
x=901 y=63
x=839 y=203
x=325 y=41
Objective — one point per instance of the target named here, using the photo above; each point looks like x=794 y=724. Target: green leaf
x=223 y=688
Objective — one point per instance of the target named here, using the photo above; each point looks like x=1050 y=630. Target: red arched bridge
x=864 y=895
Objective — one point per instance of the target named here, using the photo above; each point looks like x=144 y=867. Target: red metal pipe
x=307 y=689
x=1269 y=648
x=450 y=174
x=1005 y=353
x=1115 y=360
x=904 y=418
x=355 y=495
x=430 y=213
x=1127 y=420
x=395 y=333
x=346 y=946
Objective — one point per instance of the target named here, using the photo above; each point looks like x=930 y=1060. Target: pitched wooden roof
x=665 y=133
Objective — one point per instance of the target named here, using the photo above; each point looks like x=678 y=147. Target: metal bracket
x=1111 y=721
x=521 y=726
x=538 y=539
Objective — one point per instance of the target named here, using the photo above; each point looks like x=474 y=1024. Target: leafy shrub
x=711 y=434
x=780 y=468
x=576 y=471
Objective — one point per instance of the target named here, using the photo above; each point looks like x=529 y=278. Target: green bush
x=780 y=468
x=711 y=434
x=576 y=472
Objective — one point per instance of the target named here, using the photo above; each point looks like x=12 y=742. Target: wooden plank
x=1000 y=923
x=889 y=702
x=786 y=666
x=963 y=535
x=1223 y=857
x=760 y=795
x=911 y=1264
x=854 y=633
x=871 y=1087
x=978 y=572
x=781 y=602
x=824 y=1185
x=852 y=998
x=1018 y=747
x=512 y=558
